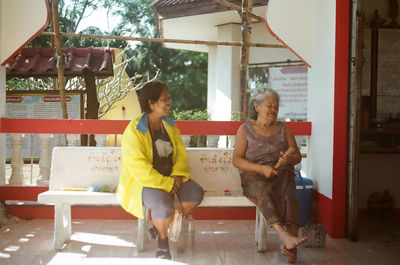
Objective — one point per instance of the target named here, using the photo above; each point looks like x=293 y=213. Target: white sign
x=291 y=84
x=39 y=107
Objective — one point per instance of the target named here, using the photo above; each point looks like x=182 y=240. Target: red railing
x=73 y=126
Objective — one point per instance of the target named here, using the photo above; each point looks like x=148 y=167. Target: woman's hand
x=268 y=171
x=285 y=158
x=177 y=184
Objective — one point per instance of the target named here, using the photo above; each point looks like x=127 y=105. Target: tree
x=184 y=72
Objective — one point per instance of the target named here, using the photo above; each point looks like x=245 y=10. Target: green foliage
x=193 y=115
x=190 y=115
x=15 y=84
x=184 y=72
x=258 y=77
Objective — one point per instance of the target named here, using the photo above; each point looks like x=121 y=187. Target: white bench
x=82 y=167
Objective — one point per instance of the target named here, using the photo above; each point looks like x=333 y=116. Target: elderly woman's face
x=162 y=105
x=268 y=109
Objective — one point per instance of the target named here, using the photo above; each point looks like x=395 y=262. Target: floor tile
x=215 y=242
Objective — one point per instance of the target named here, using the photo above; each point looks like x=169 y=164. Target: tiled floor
x=216 y=242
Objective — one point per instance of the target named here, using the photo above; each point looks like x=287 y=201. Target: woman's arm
x=242 y=163
x=295 y=156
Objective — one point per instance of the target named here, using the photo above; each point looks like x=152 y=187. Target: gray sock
x=163 y=243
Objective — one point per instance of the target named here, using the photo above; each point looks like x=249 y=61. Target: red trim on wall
x=118 y=126
x=33 y=36
x=322 y=209
x=340 y=119
x=22 y=193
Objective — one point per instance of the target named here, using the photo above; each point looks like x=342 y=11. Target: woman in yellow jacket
x=154 y=168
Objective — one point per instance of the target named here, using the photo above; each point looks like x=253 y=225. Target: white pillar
x=227 y=73
x=186 y=140
x=211 y=81
x=73 y=139
x=101 y=139
x=44 y=162
x=2 y=115
x=17 y=162
x=224 y=76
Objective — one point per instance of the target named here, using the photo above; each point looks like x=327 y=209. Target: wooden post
x=353 y=160
x=91 y=100
x=374 y=71
x=60 y=59
x=245 y=53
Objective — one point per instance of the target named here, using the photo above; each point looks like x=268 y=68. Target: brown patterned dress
x=275 y=196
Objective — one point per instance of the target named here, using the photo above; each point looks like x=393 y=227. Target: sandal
x=163 y=253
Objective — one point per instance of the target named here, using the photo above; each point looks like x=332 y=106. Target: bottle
x=190 y=222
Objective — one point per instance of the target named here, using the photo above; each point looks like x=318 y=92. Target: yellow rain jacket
x=137 y=169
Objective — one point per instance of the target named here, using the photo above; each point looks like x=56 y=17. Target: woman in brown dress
x=265 y=154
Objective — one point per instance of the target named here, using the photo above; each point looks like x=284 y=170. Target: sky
x=99 y=19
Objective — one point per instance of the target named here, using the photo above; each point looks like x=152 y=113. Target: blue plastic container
x=304 y=189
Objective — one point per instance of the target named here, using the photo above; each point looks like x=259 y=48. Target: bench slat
x=78 y=197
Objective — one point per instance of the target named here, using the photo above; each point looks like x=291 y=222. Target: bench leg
x=257 y=224
x=182 y=236
x=261 y=232
x=142 y=227
x=62 y=225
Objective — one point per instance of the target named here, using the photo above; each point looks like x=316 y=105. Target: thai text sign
x=291 y=84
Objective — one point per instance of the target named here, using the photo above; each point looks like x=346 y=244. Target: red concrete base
x=117 y=213
x=26 y=193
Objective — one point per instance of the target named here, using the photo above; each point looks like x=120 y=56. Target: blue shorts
x=161 y=203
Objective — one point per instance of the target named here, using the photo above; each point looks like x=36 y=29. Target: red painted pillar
x=342 y=45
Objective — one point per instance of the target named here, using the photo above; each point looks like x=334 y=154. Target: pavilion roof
x=182 y=8
x=42 y=62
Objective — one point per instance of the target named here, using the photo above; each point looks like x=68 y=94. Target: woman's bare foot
x=290 y=241
x=290 y=254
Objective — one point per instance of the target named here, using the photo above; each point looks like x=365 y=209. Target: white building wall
x=260 y=34
x=2 y=114
x=321 y=97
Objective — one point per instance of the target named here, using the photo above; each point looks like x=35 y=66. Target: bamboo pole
x=53 y=45
x=211 y=43
x=239 y=9
x=59 y=54
x=245 y=54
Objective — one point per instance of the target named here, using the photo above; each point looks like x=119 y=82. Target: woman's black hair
x=150 y=91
